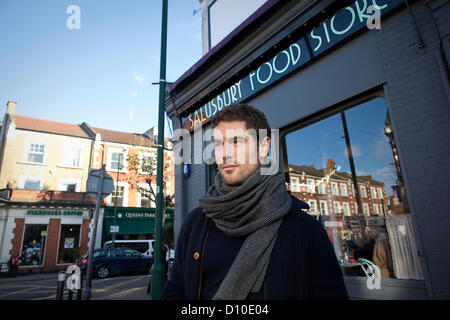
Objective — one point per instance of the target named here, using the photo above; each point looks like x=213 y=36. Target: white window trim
x=339 y=206
x=111 y=198
x=363 y=194
x=295 y=187
x=139 y=196
x=376 y=209
x=28 y=143
x=62 y=181
x=341 y=189
x=326 y=206
x=124 y=160
x=321 y=183
x=380 y=193
x=141 y=157
x=373 y=192
x=69 y=147
x=332 y=189
x=311 y=185
x=366 y=205
x=344 y=205
x=24 y=178
x=315 y=205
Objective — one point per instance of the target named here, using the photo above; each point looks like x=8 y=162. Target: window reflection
x=347 y=168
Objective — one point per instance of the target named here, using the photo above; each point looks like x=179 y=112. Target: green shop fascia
x=132 y=221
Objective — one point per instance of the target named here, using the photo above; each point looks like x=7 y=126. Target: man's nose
x=229 y=150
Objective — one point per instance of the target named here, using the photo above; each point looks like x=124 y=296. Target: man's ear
x=264 y=147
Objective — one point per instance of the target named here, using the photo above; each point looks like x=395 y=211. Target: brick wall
x=18 y=236
x=420 y=116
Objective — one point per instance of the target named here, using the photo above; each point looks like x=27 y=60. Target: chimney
x=331 y=165
x=11 y=107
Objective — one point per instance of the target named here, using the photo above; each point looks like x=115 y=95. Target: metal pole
x=115 y=202
x=354 y=177
x=86 y=293
x=157 y=273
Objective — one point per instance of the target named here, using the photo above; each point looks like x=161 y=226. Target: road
x=114 y=288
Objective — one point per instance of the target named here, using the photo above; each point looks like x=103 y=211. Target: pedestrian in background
x=14 y=264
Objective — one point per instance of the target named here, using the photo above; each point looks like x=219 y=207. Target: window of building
x=346 y=208
x=117 y=196
x=146 y=197
x=148 y=163
x=374 y=155
x=323 y=207
x=380 y=193
x=373 y=193
x=31 y=184
x=117 y=161
x=337 y=207
x=321 y=187
x=33 y=245
x=71 y=156
x=363 y=192
x=312 y=206
x=295 y=187
x=334 y=189
x=36 y=153
x=343 y=189
x=69 y=241
x=366 y=209
x=311 y=185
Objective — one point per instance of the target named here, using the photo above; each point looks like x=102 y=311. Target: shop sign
x=320 y=39
x=55 y=212
x=334 y=224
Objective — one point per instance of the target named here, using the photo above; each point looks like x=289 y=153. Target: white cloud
x=137 y=77
x=133 y=94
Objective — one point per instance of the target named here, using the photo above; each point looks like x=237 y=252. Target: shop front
x=362 y=116
x=46 y=237
x=133 y=223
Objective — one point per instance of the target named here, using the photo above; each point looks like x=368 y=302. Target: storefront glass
x=346 y=167
x=69 y=241
x=33 y=244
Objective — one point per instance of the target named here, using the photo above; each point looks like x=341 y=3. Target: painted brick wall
x=18 y=235
x=420 y=115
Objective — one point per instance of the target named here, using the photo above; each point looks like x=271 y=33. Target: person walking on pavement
x=249 y=238
x=14 y=264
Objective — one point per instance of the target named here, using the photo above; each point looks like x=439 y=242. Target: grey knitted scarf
x=255 y=210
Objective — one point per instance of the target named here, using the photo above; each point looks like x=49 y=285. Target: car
x=116 y=261
x=145 y=247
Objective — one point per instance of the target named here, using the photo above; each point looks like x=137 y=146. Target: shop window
x=33 y=245
x=69 y=240
x=358 y=145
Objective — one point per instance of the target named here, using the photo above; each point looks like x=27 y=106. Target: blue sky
x=100 y=74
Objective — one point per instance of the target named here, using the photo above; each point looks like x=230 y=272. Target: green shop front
x=131 y=223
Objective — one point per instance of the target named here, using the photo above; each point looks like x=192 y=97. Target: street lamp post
x=157 y=272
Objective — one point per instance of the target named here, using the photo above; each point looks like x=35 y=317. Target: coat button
x=196 y=256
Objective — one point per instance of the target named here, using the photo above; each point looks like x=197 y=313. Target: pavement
x=5 y=278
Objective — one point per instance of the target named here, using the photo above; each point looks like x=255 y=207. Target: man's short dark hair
x=254 y=119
